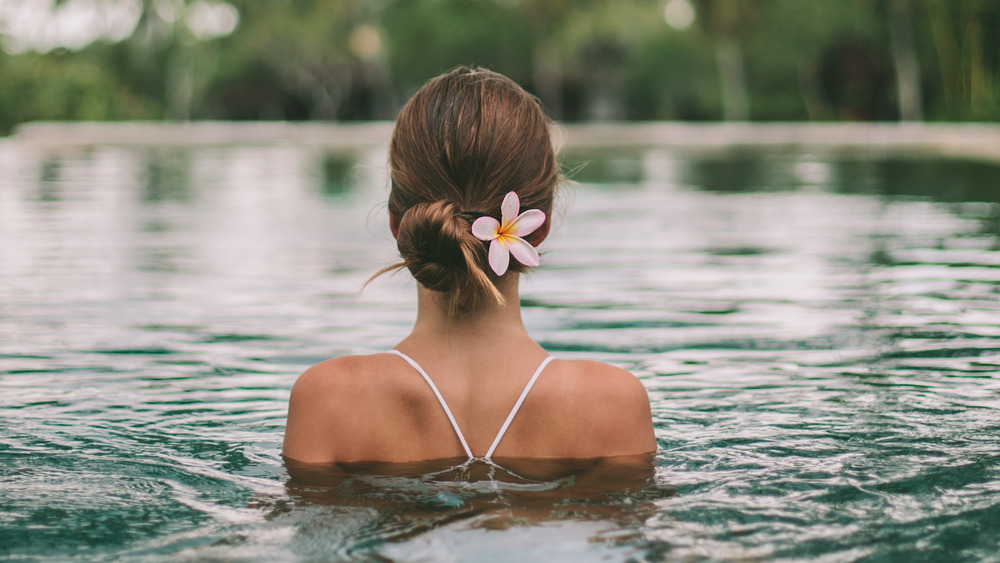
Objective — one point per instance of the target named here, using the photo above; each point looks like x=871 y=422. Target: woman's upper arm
x=641 y=415
x=628 y=417
x=312 y=412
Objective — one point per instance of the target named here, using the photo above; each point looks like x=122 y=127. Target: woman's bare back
x=379 y=408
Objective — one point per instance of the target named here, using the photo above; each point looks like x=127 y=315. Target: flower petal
x=485 y=228
x=526 y=223
x=499 y=256
x=522 y=250
x=509 y=208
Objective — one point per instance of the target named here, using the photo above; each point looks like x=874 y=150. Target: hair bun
x=438 y=247
x=430 y=241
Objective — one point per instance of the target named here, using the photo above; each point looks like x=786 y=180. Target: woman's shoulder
x=342 y=372
x=331 y=394
x=597 y=379
x=333 y=371
x=607 y=404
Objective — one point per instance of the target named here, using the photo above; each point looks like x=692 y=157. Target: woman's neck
x=486 y=330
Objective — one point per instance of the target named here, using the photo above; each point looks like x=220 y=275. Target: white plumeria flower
x=505 y=237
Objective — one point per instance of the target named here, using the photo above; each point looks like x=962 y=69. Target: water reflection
x=734 y=172
x=168 y=176
x=745 y=170
x=48 y=181
x=939 y=179
x=339 y=174
x=609 y=166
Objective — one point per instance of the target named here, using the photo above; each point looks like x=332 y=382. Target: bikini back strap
x=444 y=405
x=517 y=407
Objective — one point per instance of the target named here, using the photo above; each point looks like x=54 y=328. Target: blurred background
x=693 y=60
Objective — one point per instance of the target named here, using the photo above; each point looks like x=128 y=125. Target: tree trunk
x=948 y=55
x=979 y=90
x=548 y=82
x=732 y=79
x=905 y=60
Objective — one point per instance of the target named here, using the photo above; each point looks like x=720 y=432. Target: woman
x=473 y=180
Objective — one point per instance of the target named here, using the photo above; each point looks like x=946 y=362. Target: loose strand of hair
x=392 y=268
x=481 y=282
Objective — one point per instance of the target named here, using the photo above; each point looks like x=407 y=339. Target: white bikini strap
x=517 y=406
x=440 y=399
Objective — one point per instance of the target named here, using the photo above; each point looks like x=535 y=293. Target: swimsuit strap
x=440 y=399
x=451 y=418
x=517 y=406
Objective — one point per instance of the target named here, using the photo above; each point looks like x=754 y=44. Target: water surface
x=818 y=335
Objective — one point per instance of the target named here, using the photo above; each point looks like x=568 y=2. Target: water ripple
x=821 y=362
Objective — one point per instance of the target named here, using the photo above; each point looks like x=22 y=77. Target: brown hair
x=460 y=144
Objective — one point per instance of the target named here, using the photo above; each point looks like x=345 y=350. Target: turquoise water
x=819 y=336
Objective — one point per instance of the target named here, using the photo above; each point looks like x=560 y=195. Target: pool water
x=819 y=335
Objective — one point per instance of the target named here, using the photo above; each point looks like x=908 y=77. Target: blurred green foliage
x=66 y=86
x=585 y=59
